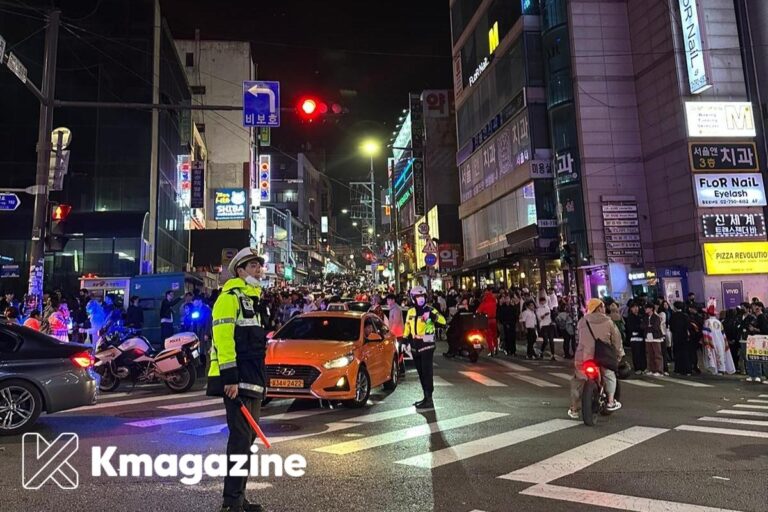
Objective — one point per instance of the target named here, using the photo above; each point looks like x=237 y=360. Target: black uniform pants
x=423 y=362
x=241 y=437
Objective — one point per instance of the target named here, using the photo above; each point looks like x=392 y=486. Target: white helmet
x=418 y=290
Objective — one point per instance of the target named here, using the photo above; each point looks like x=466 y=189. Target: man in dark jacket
x=634 y=335
x=695 y=332
x=506 y=324
x=678 y=326
x=166 y=315
x=134 y=317
x=654 y=338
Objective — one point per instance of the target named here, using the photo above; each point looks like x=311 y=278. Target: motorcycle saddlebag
x=169 y=360
x=180 y=339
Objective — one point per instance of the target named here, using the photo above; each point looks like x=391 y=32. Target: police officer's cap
x=242 y=257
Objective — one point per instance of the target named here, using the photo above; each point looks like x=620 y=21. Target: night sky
x=365 y=55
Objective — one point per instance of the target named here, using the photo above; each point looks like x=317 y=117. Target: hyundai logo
x=286 y=372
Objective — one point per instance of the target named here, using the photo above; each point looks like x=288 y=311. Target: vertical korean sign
x=197 y=199
x=417 y=145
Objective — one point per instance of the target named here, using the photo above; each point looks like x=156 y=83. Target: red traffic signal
x=60 y=212
x=308 y=106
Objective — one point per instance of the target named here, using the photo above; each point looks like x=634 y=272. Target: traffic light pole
x=45 y=127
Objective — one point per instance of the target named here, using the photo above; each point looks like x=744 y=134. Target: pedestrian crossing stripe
x=743 y=413
x=576 y=459
x=533 y=380
x=431 y=460
x=727 y=431
x=512 y=366
x=757 y=401
x=641 y=383
x=222 y=412
x=439 y=381
x=350 y=422
x=482 y=379
x=735 y=421
x=683 y=382
x=611 y=500
x=400 y=435
x=191 y=405
x=750 y=406
x=143 y=400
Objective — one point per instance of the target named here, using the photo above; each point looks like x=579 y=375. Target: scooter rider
x=457 y=327
x=594 y=327
x=237 y=370
x=420 y=323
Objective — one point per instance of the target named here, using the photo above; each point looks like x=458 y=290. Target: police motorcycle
x=122 y=354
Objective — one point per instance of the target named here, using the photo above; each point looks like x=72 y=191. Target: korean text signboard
x=621 y=229
x=499 y=156
x=724 y=190
x=716 y=156
x=229 y=204
x=733 y=225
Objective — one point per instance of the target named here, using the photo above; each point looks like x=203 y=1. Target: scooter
x=122 y=354
x=473 y=343
x=594 y=397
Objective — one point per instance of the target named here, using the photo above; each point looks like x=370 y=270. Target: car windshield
x=321 y=328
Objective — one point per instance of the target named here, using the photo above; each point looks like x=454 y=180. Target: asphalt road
x=498 y=440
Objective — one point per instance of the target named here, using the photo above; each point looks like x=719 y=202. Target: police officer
x=420 y=324
x=237 y=369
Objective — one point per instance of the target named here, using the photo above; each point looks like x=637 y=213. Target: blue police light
x=195 y=315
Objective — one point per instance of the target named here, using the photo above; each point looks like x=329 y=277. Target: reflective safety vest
x=239 y=341
x=420 y=331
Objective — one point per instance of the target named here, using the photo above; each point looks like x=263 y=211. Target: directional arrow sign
x=9 y=202
x=261 y=104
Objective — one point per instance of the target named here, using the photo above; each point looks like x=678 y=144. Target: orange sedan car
x=331 y=355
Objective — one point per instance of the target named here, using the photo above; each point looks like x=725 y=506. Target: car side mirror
x=374 y=337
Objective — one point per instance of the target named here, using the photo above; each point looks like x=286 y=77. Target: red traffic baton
x=253 y=424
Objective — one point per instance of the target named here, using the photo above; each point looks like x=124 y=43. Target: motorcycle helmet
x=418 y=291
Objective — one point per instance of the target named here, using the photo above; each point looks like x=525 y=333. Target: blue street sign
x=430 y=259
x=9 y=202
x=261 y=104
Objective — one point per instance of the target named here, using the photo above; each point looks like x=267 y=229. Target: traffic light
x=311 y=109
x=57 y=219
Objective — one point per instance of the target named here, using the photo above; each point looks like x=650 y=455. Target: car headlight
x=340 y=362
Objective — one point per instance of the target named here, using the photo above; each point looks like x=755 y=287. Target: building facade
x=123 y=178
x=422 y=184
x=655 y=139
x=660 y=185
x=508 y=209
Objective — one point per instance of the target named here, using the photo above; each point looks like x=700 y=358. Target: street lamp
x=370 y=231
x=344 y=211
x=354 y=223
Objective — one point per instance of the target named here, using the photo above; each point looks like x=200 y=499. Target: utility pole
x=45 y=127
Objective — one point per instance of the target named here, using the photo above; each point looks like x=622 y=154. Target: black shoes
x=252 y=507
x=247 y=506
x=426 y=403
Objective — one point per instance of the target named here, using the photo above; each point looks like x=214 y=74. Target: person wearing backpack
x=593 y=328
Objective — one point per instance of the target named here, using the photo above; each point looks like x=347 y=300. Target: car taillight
x=82 y=359
x=591 y=370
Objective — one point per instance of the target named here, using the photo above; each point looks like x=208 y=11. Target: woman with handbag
x=599 y=340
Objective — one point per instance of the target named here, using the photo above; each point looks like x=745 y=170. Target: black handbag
x=605 y=354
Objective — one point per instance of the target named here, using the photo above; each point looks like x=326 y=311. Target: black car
x=40 y=373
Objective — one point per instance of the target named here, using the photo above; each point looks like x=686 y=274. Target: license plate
x=195 y=353
x=286 y=383
x=478 y=345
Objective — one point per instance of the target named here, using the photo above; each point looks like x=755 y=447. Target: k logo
x=42 y=461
